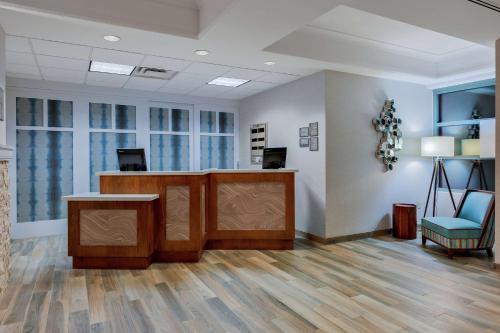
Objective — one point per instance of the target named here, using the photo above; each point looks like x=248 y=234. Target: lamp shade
x=471 y=147
x=438 y=146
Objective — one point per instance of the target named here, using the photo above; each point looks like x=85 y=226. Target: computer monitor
x=274 y=158
x=131 y=159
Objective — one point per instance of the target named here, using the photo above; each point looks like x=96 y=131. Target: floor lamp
x=471 y=147
x=438 y=147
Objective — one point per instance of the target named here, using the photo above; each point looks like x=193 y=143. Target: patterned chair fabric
x=472 y=227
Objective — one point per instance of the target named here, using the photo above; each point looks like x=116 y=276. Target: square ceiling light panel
x=105 y=67
x=228 y=82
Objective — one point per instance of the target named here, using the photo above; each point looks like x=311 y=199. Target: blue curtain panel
x=180 y=120
x=208 y=121
x=226 y=152
x=216 y=152
x=44 y=174
x=158 y=119
x=100 y=115
x=169 y=152
x=226 y=122
x=29 y=111
x=103 y=156
x=125 y=117
x=60 y=113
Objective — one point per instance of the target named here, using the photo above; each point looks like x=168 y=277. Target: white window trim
x=81 y=98
x=40 y=227
x=191 y=133
x=235 y=133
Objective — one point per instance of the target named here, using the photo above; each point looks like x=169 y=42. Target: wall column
x=6 y=153
x=4 y=219
x=497 y=154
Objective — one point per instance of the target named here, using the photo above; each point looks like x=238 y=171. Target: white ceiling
x=379 y=29
x=63 y=62
x=191 y=4
x=429 y=42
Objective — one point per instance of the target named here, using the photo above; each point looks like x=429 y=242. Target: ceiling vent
x=490 y=4
x=154 y=73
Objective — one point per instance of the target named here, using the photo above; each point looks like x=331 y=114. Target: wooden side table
x=404 y=221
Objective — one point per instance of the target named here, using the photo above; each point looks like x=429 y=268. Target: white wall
x=359 y=192
x=3 y=64
x=81 y=95
x=285 y=109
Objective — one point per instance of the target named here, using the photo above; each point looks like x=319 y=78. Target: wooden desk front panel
x=177 y=219
x=108 y=227
x=254 y=210
x=178 y=233
x=93 y=231
x=224 y=210
x=251 y=206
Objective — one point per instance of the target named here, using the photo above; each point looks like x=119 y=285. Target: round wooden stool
x=404 y=221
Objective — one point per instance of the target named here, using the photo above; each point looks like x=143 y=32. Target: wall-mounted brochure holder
x=258 y=141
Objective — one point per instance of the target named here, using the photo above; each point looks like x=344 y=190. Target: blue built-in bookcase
x=453 y=116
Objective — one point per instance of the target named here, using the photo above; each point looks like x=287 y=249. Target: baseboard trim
x=249 y=244
x=341 y=239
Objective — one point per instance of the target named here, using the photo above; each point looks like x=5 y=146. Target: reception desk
x=213 y=209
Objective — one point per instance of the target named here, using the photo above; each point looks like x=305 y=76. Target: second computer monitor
x=274 y=158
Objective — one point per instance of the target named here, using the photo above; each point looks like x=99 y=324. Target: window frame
x=113 y=128
x=190 y=133
x=217 y=133
x=44 y=127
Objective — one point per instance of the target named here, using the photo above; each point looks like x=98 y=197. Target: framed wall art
x=304 y=142
x=314 y=129
x=314 y=144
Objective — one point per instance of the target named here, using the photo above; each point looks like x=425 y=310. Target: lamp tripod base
x=482 y=177
x=433 y=186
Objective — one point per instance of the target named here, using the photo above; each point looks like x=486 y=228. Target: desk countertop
x=94 y=196
x=191 y=173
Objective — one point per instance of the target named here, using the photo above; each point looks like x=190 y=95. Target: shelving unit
x=453 y=107
x=469 y=158
x=461 y=122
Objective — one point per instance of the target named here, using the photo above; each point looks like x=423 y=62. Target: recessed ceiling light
x=270 y=63
x=104 y=67
x=228 y=82
x=202 y=52
x=111 y=38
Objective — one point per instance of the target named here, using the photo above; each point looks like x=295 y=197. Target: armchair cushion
x=452 y=227
x=475 y=206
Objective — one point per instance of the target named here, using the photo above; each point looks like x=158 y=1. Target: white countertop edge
x=191 y=173
x=94 y=196
x=6 y=153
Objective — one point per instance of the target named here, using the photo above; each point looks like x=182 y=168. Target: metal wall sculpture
x=391 y=140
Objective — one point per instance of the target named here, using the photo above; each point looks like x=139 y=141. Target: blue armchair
x=471 y=228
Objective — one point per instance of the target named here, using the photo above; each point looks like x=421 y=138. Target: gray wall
x=286 y=109
x=359 y=193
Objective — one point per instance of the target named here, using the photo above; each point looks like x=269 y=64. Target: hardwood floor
x=370 y=285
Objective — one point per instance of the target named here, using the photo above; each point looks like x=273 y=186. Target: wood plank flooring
x=371 y=285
